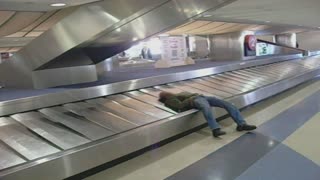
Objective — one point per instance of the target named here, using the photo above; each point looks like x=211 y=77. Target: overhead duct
x=97 y=31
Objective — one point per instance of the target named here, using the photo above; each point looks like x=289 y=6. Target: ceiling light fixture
x=163 y=35
x=267 y=21
x=207 y=15
x=58 y=4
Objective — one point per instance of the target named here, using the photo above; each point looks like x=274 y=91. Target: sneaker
x=218 y=132
x=246 y=127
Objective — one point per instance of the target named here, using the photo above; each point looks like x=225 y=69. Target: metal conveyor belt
x=34 y=135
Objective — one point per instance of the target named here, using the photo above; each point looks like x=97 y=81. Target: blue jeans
x=204 y=103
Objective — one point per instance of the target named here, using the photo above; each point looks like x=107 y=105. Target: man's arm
x=177 y=105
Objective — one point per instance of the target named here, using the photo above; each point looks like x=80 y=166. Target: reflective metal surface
x=217 y=85
x=82 y=126
x=158 y=89
x=155 y=91
x=64 y=76
x=229 y=46
x=95 y=128
x=205 y=88
x=261 y=79
x=256 y=79
x=98 y=31
x=59 y=136
x=184 y=87
x=21 y=140
x=241 y=79
x=108 y=120
x=288 y=39
x=242 y=85
x=86 y=23
x=21 y=105
x=140 y=106
x=129 y=114
x=8 y=157
x=149 y=99
x=225 y=84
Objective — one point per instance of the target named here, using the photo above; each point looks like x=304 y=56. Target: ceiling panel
x=207 y=27
x=286 y=12
x=296 y=31
x=17 y=34
x=54 y=19
x=19 y=21
x=219 y=28
x=259 y=27
x=21 y=26
x=4 y=50
x=34 y=34
x=235 y=27
x=5 y=15
x=14 y=49
x=42 y=19
x=38 y=5
x=202 y=27
x=14 y=42
x=189 y=26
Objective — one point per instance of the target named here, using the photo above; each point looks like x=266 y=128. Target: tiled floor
x=283 y=147
x=282 y=163
x=306 y=139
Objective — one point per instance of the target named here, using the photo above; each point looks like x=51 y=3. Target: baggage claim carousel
x=59 y=135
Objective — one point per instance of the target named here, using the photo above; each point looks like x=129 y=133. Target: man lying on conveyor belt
x=185 y=101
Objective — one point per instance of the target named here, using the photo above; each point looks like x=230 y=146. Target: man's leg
x=233 y=112
x=230 y=108
x=202 y=104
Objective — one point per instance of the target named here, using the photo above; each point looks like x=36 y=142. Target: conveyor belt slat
x=247 y=83
x=187 y=88
x=225 y=83
x=216 y=86
x=259 y=81
x=264 y=71
x=152 y=91
x=268 y=78
x=208 y=89
x=23 y=141
x=254 y=81
x=243 y=86
x=129 y=114
x=149 y=99
x=280 y=76
x=106 y=119
x=82 y=126
x=8 y=157
x=140 y=106
x=57 y=135
x=167 y=88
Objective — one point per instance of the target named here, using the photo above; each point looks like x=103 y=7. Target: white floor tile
x=305 y=140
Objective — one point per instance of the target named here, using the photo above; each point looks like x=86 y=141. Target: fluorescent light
x=163 y=35
x=267 y=21
x=134 y=39
x=207 y=15
x=58 y=4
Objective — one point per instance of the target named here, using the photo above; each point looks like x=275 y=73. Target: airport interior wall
x=309 y=40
